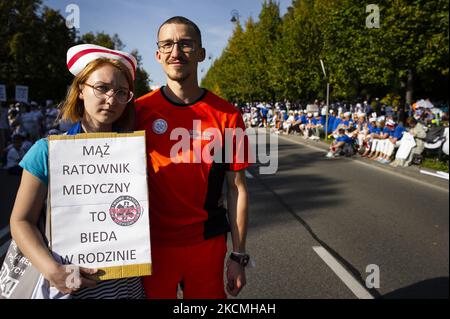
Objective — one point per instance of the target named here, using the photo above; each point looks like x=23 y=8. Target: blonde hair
x=72 y=109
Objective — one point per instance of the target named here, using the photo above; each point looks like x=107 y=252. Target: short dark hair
x=185 y=21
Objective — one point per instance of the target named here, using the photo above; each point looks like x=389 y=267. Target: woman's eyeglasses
x=122 y=96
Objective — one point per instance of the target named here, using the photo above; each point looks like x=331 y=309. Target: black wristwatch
x=241 y=259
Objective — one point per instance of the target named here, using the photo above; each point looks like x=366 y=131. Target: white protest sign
x=2 y=93
x=21 y=93
x=99 y=202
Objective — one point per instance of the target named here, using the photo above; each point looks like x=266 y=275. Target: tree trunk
x=409 y=87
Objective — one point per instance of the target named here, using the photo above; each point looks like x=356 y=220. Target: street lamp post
x=234 y=16
x=328 y=100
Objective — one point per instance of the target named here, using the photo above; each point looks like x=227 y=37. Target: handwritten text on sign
x=99 y=201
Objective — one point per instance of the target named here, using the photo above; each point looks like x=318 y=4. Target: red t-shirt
x=185 y=182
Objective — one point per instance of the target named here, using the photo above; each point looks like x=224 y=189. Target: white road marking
x=343 y=274
x=4 y=231
x=437 y=174
x=4 y=247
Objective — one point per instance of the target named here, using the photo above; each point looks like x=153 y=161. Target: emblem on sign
x=125 y=211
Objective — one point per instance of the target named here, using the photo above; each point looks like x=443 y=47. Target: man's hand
x=235 y=277
x=237 y=201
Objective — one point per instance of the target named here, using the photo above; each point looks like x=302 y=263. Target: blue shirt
x=303 y=119
x=264 y=111
x=336 y=123
x=331 y=120
x=388 y=131
x=344 y=138
x=374 y=129
x=35 y=160
x=398 y=132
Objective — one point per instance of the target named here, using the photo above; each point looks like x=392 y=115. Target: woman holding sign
x=99 y=100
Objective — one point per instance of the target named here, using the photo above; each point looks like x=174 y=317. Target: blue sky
x=136 y=22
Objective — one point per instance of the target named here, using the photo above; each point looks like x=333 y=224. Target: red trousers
x=199 y=267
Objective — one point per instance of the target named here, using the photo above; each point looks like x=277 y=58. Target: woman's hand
x=69 y=278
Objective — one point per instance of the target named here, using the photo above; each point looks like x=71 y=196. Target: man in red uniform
x=188 y=223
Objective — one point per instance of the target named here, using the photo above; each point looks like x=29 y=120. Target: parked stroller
x=437 y=141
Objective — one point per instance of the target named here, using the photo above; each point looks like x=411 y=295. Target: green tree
x=266 y=34
x=281 y=60
x=416 y=37
x=353 y=53
x=142 y=77
x=225 y=75
x=296 y=70
x=33 y=45
x=242 y=72
x=103 y=39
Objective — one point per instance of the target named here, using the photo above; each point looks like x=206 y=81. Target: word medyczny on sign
x=99 y=202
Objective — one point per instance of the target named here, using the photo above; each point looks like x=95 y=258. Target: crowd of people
x=22 y=124
x=377 y=131
x=354 y=128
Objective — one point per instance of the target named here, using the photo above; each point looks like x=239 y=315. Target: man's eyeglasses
x=122 y=96
x=187 y=46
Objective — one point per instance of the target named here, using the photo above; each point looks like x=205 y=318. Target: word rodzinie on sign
x=99 y=203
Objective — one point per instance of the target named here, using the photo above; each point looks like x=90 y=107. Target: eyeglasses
x=187 y=46
x=123 y=96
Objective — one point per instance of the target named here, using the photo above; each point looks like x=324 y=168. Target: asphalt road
x=366 y=218
x=318 y=224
